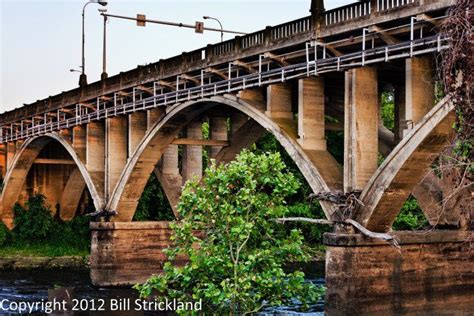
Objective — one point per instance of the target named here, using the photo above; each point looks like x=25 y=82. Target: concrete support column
x=66 y=134
x=419 y=92
x=192 y=158
x=117 y=150
x=253 y=96
x=11 y=151
x=154 y=115
x=170 y=160
x=237 y=120
x=218 y=126
x=3 y=160
x=79 y=141
x=311 y=114
x=169 y=176
x=360 y=127
x=48 y=180
x=279 y=101
x=71 y=195
x=96 y=155
x=137 y=126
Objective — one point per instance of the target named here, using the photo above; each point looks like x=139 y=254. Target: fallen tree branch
x=304 y=219
x=389 y=238
x=364 y=231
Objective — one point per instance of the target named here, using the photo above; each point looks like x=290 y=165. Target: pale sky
x=41 y=40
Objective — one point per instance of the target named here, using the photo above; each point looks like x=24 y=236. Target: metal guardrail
x=311 y=67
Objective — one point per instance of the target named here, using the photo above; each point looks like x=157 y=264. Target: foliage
x=411 y=216
x=388 y=110
x=4 y=233
x=235 y=263
x=36 y=231
x=35 y=222
x=153 y=204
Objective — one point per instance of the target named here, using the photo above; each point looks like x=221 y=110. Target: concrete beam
x=50 y=161
x=360 y=127
x=200 y=142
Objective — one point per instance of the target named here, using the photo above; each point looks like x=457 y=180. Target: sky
x=40 y=40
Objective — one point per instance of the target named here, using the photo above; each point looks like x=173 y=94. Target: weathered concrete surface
x=192 y=155
x=360 y=127
x=311 y=130
x=128 y=253
x=137 y=126
x=116 y=152
x=432 y=273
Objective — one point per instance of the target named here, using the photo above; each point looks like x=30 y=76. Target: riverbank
x=20 y=262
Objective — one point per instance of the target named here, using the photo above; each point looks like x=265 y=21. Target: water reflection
x=32 y=286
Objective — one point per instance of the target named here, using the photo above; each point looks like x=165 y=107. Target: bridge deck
x=240 y=63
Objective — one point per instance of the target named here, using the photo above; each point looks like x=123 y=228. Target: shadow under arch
x=21 y=165
x=135 y=174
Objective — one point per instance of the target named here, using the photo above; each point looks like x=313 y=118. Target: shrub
x=34 y=222
x=235 y=266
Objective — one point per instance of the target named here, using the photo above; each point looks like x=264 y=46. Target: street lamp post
x=83 y=76
x=215 y=19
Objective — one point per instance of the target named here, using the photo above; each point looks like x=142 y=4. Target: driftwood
x=364 y=231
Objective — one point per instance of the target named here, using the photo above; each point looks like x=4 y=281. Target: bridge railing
x=347 y=13
x=291 y=28
x=384 y=5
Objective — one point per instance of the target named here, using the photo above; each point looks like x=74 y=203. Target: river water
x=32 y=286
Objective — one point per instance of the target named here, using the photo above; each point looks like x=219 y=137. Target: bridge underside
x=101 y=154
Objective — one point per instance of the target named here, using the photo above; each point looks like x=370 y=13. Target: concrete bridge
x=99 y=144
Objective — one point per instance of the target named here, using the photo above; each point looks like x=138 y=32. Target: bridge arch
x=21 y=165
x=404 y=168
x=133 y=179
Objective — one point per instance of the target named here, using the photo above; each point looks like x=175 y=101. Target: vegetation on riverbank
x=38 y=233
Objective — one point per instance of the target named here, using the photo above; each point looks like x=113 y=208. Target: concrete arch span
x=135 y=174
x=404 y=167
x=21 y=165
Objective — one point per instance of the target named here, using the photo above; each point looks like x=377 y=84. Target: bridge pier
x=430 y=272
x=127 y=253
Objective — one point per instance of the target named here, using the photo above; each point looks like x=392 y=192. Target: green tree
x=236 y=259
